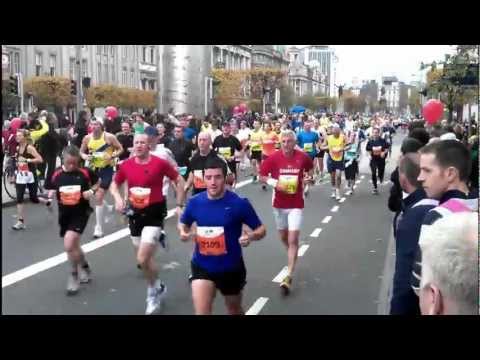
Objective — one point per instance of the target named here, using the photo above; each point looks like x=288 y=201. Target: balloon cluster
x=240 y=109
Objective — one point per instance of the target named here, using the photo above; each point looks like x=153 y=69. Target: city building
x=269 y=56
x=390 y=92
x=231 y=57
x=304 y=79
x=324 y=58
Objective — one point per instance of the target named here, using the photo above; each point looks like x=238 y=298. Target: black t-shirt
x=226 y=147
x=376 y=147
x=182 y=151
x=165 y=140
x=197 y=166
x=127 y=142
x=70 y=186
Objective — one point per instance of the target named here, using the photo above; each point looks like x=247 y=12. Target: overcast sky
x=371 y=62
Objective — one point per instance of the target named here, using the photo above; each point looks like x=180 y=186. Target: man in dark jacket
x=407 y=230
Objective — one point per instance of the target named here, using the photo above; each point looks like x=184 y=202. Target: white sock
x=99 y=210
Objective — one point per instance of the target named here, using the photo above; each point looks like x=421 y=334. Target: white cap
x=448 y=136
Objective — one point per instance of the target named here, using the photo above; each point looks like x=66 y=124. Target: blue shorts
x=333 y=165
x=105 y=174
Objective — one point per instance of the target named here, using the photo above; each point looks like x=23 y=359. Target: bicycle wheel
x=8 y=187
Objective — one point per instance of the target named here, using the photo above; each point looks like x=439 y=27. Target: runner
x=125 y=138
x=217 y=261
x=378 y=148
x=144 y=174
x=74 y=187
x=269 y=139
x=287 y=168
x=335 y=144
x=182 y=149
x=27 y=158
x=244 y=136
x=387 y=134
x=308 y=142
x=103 y=148
x=139 y=124
x=351 y=165
x=226 y=146
x=255 y=144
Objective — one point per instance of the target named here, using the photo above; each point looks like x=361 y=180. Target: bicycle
x=9 y=178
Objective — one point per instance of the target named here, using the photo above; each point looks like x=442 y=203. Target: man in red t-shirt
x=144 y=174
x=287 y=169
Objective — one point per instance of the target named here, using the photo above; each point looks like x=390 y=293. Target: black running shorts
x=73 y=220
x=153 y=215
x=229 y=282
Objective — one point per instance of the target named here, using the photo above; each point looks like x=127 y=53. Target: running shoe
x=73 y=285
x=49 y=206
x=286 y=284
x=19 y=226
x=84 y=274
x=333 y=194
x=155 y=298
x=374 y=191
x=337 y=195
x=109 y=215
x=97 y=233
x=264 y=187
x=254 y=178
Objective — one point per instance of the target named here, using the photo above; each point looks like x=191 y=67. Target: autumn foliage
x=49 y=91
x=121 y=97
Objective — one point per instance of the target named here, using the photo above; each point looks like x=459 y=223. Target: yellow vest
x=336 y=146
x=98 y=148
x=256 y=140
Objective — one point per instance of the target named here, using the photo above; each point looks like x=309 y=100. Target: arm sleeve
x=120 y=177
x=171 y=172
x=250 y=217
x=369 y=146
x=187 y=216
x=238 y=146
x=37 y=134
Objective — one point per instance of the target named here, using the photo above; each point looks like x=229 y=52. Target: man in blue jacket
x=408 y=226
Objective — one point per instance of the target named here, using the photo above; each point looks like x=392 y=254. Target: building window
x=144 y=53
x=113 y=74
x=38 y=64
x=132 y=78
x=84 y=68
x=72 y=68
x=152 y=55
x=143 y=84
x=105 y=49
x=112 y=51
x=99 y=72
x=15 y=59
x=53 y=64
x=124 y=51
x=152 y=84
x=124 y=76
x=105 y=75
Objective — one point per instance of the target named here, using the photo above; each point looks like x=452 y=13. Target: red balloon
x=15 y=124
x=432 y=111
x=236 y=109
x=111 y=112
x=243 y=107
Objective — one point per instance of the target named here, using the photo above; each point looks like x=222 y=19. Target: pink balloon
x=15 y=124
x=243 y=107
x=432 y=111
x=111 y=112
x=236 y=109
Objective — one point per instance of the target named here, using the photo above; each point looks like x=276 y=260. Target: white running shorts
x=288 y=219
x=150 y=235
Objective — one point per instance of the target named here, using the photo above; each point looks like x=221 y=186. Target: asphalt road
x=344 y=269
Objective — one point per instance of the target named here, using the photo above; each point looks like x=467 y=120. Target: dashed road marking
x=334 y=209
x=303 y=249
x=316 y=232
x=342 y=199
x=362 y=177
x=257 y=306
x=326 y=219
x=281 y=275
x=354 y=187
x=358 y=181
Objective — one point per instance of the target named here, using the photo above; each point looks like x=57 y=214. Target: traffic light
x=423 y=92
x=13 y=85
x=73 y=87
x=340 y=91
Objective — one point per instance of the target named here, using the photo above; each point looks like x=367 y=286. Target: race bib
x=23 y=167
x=139 y=197
x=97 y=159
x=226 y=152
x=70 y=195
x=211 y=240
x=337 y=152
x=376 y=150
x=255 y=146
x=198 y=181
x=289 y=183
x=308 y=147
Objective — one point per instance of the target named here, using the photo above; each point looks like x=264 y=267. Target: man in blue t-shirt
x=217 y=261
x=308 y=141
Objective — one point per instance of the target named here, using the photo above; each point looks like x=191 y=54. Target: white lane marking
x=361 y=177
x=326 y=219
x=316 y=232
x=243 y=183
x=257 y=306
x=342 y=199
x=303 y=249
x=281 y=275
x=335 y=208
x=358 y=181
x=53 y=261
x=354 y=187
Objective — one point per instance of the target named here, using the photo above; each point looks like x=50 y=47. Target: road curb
x=387 y=278
x=10 y=203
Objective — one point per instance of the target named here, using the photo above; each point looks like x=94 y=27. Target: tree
x=287 y=96
x=309 y=101
x=230 y=87
x=414 y=101
x=325 y=102
x=353 y=103
x=121 y=97
x=49 y=91
x=9 y=101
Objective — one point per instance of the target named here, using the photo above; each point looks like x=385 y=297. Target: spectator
x=163 y=138
x=49 y=147
x=125 y=137
x=445 y=169
x=407 y=232
x=474 y=156
x=420 y=134
x=449 y=282
x=81 y=128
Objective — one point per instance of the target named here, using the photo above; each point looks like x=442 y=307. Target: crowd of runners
x=140 y=160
